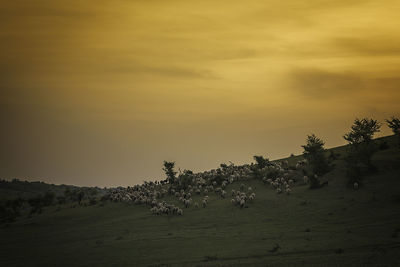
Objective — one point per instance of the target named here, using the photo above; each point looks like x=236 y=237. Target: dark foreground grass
x=331 y=226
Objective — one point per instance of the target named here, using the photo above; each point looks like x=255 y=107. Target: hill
x=334 y=225
x=25 y=189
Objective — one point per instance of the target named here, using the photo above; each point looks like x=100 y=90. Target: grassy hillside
x=331 y=226
x=25 y=189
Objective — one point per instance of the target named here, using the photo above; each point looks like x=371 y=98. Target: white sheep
x=242 y=203
x=223 y=193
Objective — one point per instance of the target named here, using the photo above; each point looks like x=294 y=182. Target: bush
x=10 y=210
x=92 y=201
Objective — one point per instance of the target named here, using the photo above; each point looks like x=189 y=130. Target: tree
x=314 y=152
x=261 y=161
x=169 y=171
x=394 y=124
x=360 y=139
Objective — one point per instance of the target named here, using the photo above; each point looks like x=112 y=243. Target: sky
x=99 y=93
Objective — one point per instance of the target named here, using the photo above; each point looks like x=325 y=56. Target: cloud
x=317 y=83
x=369 y=46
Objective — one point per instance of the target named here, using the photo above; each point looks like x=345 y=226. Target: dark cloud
x=369 y=46
x=316 y=83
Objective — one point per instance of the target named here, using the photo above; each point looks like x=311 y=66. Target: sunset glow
x=101 y=92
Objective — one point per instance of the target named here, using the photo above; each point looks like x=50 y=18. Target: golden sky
x=101 y=92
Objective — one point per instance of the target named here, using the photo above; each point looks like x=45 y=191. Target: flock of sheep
x=205 y=183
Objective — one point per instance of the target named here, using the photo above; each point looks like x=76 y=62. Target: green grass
x=330 y=226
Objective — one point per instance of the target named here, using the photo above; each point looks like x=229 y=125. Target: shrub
x=10 y=210
x=92 y=201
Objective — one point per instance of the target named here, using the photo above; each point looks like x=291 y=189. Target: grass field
x=331 y=226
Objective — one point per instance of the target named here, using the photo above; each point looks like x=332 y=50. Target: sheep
x=233 y=192
x=305 y=179
x=288 y=190
x=224 y=183
x=204 y=203
x=252 y=196
x=223 y=193
x=242 y=203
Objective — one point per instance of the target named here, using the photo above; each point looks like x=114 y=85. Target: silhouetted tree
x=394 y=124
x=361 y=141
x=169 y=171
x=314 y=152
x=361 y=148
x=261 y=161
